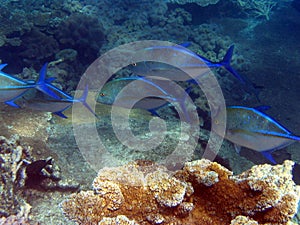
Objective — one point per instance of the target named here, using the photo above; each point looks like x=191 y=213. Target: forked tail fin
x=41 y=84
x=82 y=100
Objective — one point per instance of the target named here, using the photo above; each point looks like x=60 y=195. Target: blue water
x=267 y=46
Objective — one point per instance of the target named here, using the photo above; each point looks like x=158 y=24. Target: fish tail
x=83 y=98
x=2 y=66
x=41 y=84
x=226 y=64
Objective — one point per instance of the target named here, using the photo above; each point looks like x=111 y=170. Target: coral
x=14 y=220
x=120 y=220
x=2 y=40
x=202 y=192
x=20 y=218
x=20 y=174
x=261 y=8
x=66 y=54
x=199 y=2
x=12 y=171
x=243 y=220
x=82 y=33
x=37 y=46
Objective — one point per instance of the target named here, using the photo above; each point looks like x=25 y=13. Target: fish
x=225 y=63
x=152 y=68
x=11 y=88
x=186 y=65
x=253 y=129
x=186 y=61
x=37 y=100
x=138 y=92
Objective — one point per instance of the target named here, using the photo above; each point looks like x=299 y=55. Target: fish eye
x=102 y=94
x=217 y=122
x=133 y=64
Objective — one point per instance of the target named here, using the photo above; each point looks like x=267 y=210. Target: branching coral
x=261 y=8
x=201 y=193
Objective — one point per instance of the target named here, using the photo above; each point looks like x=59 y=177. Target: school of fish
x=245 y=126
x=40 y=95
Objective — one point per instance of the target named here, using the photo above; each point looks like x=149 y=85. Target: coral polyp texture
x=203 y=192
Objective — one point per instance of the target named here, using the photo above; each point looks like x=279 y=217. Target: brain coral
x=203 y=192
x=199 y=2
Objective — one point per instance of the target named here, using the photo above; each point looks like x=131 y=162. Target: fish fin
x=153 y=112
x=237 y=148
x=12 y=103
x=50 y=79
x=262 y=108
x=185 y=44
x=82 y=99
x=192 y=81
x=180 y=101
x=227 y=65
x=2 y=66
x=60 y=114
x=268 y=156
x=41 y=84
x=228 y=56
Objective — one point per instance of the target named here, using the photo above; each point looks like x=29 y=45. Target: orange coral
x=202 y=192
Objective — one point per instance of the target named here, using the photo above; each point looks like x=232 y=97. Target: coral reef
x=21 y=175
x=202 y=192
x=258 y=8
x=82 y=33
x=262 y=8
x=12 y=156
x=20 y=218
x=198 y=2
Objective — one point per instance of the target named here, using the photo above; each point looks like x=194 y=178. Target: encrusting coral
x=203 y=192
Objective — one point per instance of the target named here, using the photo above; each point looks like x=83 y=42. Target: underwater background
x=70 y=35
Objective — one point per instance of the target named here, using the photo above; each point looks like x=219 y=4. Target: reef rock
x=203 y=192
x=12 y=156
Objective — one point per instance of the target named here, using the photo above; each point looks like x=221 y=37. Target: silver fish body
x=11 y=87
x=149 y=94
x=253 y=129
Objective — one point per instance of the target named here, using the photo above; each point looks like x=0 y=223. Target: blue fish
x=225 y=63
x=11 y=88
x=195 y=64
x=37 y=100
x=184 y=59
x=253 y=129
x=158 y=93
x=151 y=68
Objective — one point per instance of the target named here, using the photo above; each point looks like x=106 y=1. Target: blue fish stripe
x=276 y=134
x=264 y=116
